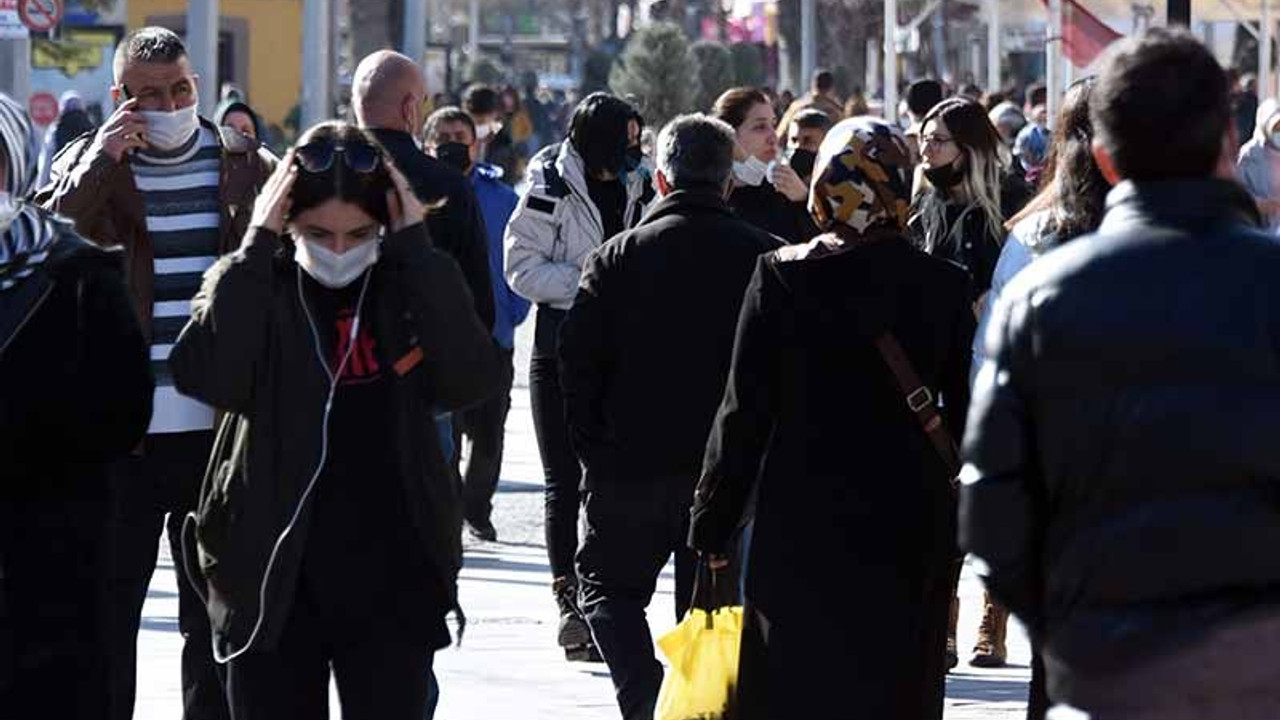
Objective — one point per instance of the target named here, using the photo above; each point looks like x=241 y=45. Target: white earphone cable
x=334 y=377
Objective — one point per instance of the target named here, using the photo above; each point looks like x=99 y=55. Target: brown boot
x=990 y=651
x=953 y=655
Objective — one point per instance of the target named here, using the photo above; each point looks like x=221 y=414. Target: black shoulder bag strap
x=921 y=402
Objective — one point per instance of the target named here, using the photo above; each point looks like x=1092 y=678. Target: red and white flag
x=1084 y=36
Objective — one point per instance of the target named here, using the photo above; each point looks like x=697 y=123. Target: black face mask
x=945 y=177
x=802 y=161
x=455 y=154
x=635 y=156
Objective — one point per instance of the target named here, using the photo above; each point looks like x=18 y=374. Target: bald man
x=388 y=93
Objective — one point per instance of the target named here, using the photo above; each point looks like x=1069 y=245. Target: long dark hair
x=1073 y=190
x=368 y=191
x=979 y=142
x=598 y=131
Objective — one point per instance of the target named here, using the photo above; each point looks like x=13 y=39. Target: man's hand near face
x=124 y=131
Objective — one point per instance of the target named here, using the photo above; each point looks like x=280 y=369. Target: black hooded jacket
x=250 y=350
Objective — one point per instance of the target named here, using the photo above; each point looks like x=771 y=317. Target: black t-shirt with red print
x=364 y=560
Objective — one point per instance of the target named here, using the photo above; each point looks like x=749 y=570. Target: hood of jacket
x=573 y=169
x=1267 y=112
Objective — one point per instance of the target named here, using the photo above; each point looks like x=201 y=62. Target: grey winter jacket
x=556 y=226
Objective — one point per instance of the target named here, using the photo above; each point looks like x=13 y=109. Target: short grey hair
x=696 y=151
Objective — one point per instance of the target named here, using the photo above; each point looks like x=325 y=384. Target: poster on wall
x=11 y=25
x=80 y=60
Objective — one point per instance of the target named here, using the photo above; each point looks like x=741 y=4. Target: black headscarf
x=233 y=105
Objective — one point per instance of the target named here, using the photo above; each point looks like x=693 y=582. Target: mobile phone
x=124 y=92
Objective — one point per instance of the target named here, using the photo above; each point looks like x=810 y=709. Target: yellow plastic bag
x=703 y=653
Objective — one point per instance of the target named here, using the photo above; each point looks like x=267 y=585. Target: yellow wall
x=275 y=47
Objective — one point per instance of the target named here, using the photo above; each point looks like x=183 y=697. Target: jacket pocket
x=218 y=511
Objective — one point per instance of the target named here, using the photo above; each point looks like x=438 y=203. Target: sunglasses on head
x=318 y=156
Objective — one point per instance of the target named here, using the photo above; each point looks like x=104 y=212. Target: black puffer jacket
x=1123 y=477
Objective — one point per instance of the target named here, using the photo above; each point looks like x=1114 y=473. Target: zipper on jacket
x=592 y=211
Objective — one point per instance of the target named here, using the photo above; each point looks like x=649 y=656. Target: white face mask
x=170 y=130
x=9 y=210
x=336 y=270
x=752 y=172
x=487 y=130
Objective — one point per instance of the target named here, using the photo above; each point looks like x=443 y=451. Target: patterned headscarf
x=863 y=177
x=26 y=243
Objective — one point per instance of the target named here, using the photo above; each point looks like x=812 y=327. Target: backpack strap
x=921 y=401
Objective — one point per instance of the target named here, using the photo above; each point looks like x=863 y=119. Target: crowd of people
x=821 y=356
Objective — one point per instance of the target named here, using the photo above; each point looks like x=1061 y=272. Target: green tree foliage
x=748 y=64
x=98 y=5
x=715 y=73
x=485 y=72
x=657 y=72
x=596 y=72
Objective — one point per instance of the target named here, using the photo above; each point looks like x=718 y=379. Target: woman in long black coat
x=849 y=574
x=75 y=398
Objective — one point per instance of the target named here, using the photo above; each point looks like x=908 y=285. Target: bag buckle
x=920 y=399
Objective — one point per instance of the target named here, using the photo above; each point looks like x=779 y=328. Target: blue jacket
x=497 y=203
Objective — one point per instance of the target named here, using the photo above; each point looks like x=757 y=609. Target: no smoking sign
x=40 y=15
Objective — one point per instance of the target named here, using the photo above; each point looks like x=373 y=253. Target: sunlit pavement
x=508 y=666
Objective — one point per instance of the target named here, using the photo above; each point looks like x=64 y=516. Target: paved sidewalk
x=508 y=666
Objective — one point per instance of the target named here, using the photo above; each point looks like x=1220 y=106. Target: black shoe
x=574 y=634
x=483 y=530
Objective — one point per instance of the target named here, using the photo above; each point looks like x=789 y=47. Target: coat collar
x=1181 y=203
x=573 y=169
x=687 y=202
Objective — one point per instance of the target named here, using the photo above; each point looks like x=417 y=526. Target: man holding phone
x=174 y=192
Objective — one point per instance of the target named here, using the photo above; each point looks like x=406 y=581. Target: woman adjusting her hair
x=329 y=532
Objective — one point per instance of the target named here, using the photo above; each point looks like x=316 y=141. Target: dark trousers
x=381 y=675
x=938 y=589
x=53 y=574
x=631 y=531
x=559 y=464
x=164 y=479
x=1037 y=692
x=485 y=426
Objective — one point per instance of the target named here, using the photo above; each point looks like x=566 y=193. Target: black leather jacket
x=1123 y=451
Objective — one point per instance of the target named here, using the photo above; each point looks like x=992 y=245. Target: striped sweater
x=180 y=194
